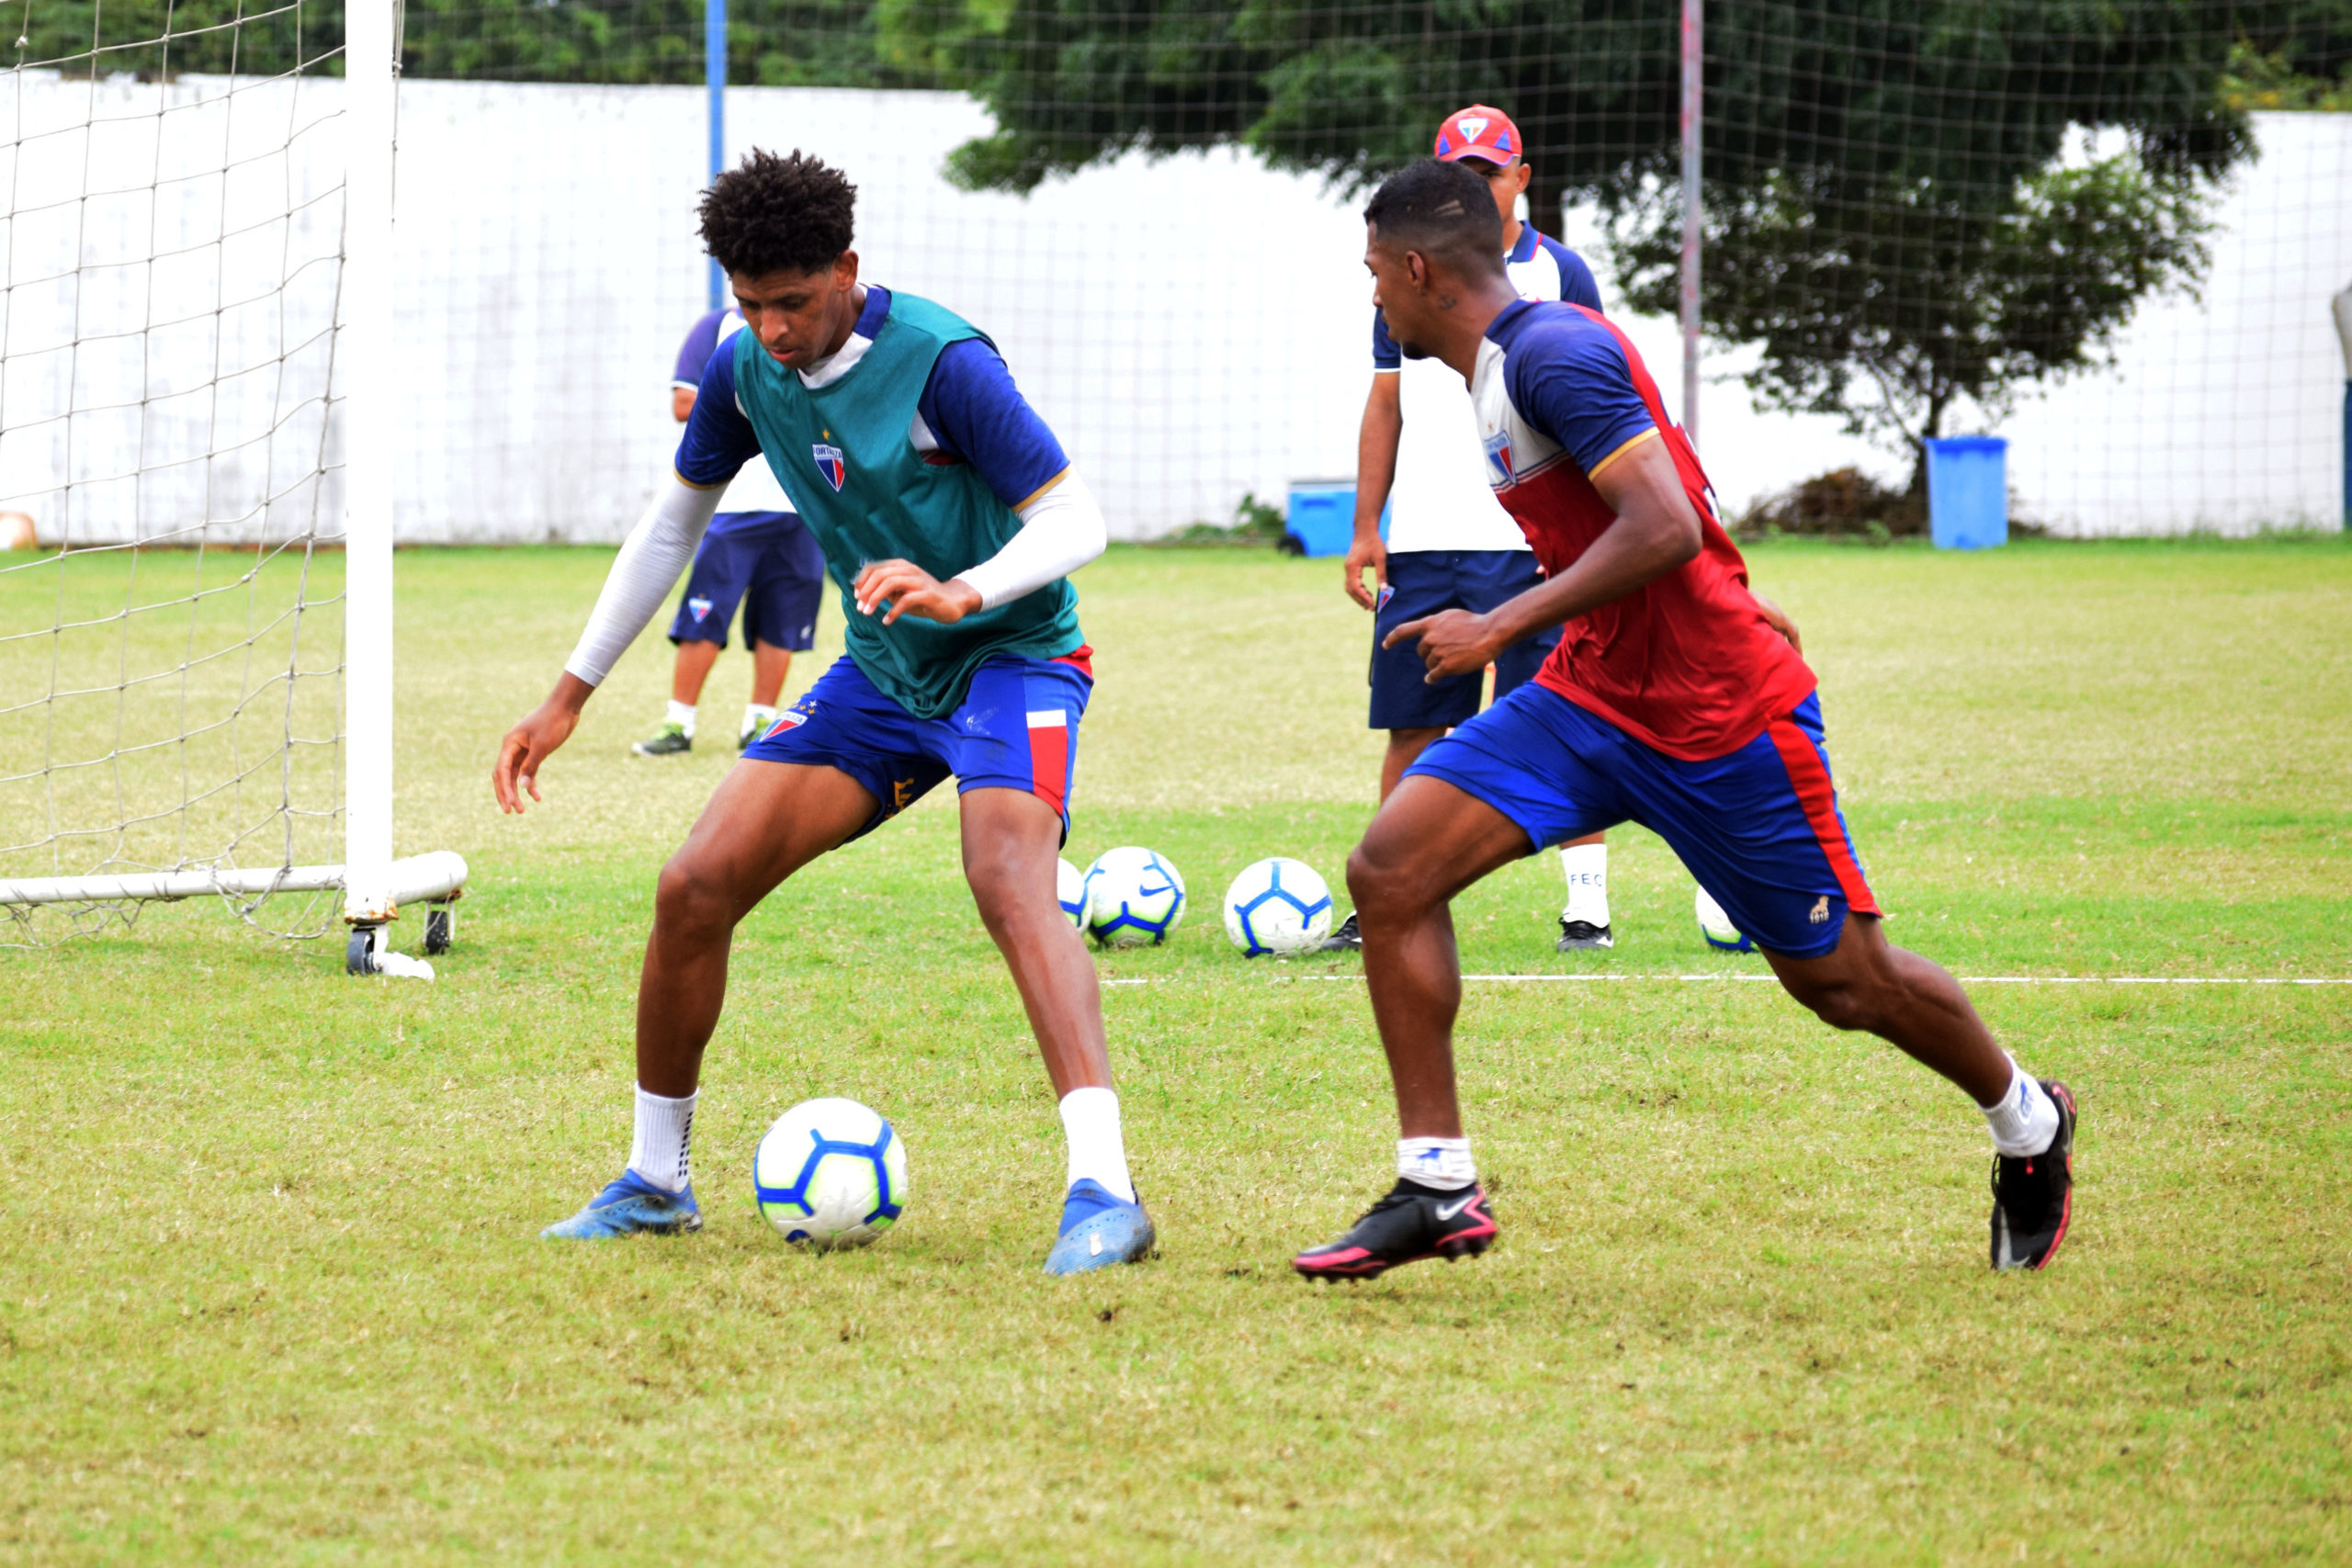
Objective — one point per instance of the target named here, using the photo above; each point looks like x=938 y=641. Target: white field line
x=1767 y=980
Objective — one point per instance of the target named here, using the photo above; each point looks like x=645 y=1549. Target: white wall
x=1192 y=328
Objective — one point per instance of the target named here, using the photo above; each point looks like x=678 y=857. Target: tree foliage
x=1899 y=204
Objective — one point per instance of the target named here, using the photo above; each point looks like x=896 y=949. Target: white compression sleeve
x=652 y=555
x=1060 y=531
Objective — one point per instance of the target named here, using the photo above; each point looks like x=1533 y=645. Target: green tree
x=1899 y=204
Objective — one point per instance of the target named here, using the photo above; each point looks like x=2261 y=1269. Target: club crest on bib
x=1498 y=459
x=830 y=463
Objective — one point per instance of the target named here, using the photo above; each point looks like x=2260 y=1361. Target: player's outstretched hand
x=1451 y=642
x=530 y=743
x=1778 y=619
x=910 y=591
x=1367 y=553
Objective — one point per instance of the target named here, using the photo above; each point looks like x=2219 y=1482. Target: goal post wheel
x=362 y=953
x=440 y=928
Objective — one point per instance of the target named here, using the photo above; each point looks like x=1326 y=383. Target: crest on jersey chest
x=830 y=463
x=1498 y=468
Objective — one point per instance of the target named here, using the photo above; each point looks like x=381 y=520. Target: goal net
x=193 y=618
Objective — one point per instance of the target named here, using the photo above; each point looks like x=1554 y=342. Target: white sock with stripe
x=662 y=1146
x=1441 y=1165
x=1098 y=1149
x=758 y=717
x=682 y=716
x=2025 y=1119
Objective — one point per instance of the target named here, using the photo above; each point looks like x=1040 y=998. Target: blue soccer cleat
x=1099 y=1231
x=628 y=1205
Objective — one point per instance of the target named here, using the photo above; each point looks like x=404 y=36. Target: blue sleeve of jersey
x=695 y=353
x=1567 y=377
x=1576 y=286
x=978 y=415
x=718 y=439
x=1385 y=355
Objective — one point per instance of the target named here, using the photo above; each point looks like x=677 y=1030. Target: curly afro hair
x=771 y=214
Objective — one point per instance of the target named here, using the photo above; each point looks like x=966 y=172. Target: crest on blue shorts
x=830 y=463
x=701 y=607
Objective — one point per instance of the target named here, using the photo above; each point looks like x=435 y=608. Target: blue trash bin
x=1968 y=491
x=1323 y=515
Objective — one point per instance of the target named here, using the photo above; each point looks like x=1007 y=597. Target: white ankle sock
x=681 y=714
x=1441 y=1164
x=2026 y=1121
x=757 y=715
x=1097 y=1149
x=1587 y=868
x=665 y=1131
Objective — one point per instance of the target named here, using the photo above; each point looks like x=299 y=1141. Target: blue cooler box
x=1968 y=491
x=1322 y=515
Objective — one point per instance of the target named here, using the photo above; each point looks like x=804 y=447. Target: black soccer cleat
x=1349 y=938
x=1579 y=936
x=2033 y=1195
x=1410 y=1223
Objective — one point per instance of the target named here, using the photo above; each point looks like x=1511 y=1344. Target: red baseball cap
x=1478 y=132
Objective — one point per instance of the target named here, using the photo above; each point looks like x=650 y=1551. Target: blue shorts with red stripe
x=1758 y=828
x=1016 y=728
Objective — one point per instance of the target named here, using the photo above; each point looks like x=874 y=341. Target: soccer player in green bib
x=952 y=518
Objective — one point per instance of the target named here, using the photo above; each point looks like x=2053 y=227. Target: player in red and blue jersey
x=1673 y=700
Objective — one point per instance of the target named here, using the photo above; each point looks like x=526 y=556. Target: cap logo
x=1473 y=126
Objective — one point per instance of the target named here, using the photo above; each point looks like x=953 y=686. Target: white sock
x=2026 y=1121
x=1097 y=1149
x=682 y=714
x=1440 y=1164
x=665 y=1131
x=1587 y=866
x=757 y=715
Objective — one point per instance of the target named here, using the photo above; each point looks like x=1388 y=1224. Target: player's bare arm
x=531 y=742
x=1377 y=439
x=1656 y=532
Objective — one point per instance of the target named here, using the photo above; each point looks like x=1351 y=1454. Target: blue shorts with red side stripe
x=1759 y=827
x=1016 y=728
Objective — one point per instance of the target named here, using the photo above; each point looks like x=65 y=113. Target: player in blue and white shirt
x=756 y=553
x=1449 y=545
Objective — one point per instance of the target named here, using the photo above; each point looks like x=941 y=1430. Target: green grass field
x=270 y=1289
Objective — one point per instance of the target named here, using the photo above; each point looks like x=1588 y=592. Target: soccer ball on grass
x=1716 y=927
x=1279 y=905
x=831 y=1174
x=1070 y=887
x=1133 y=897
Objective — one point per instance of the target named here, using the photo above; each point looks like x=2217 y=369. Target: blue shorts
x=1760 y=829
x=1422 y=582
x=770 y=562
x=1016 y=728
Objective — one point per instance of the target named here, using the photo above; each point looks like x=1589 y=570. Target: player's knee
x=689 y=897
x=1840 y=1004
x=1382 y=878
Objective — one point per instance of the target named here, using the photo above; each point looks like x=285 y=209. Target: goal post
x=196 y=445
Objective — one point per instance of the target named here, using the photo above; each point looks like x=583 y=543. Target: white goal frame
x=373 y=883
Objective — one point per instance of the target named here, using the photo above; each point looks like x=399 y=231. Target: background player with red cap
x=1450 y=545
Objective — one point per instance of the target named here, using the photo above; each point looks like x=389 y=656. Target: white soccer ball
x=1069 y=886
x=830 y=1173
x=1133 y=897
x=1279 y=905
x=1716 y=927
